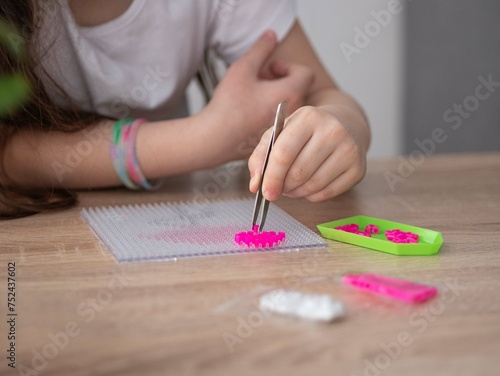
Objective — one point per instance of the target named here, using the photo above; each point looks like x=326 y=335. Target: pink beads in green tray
x=407 y=241
x=395 y=236
x=353 y=228
x=398 y=236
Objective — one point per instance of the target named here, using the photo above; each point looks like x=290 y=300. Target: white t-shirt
x=140 y=63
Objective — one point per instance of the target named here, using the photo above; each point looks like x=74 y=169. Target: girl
x=108 y=100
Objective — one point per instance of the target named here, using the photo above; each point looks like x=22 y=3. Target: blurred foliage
x=14 y=88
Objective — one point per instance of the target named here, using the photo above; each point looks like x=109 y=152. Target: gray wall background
x=449 y=45
x=424 y=60
x=373 y=76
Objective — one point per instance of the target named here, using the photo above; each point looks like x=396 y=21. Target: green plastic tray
x=429 y=241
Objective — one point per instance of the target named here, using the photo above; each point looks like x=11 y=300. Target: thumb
x=257 y=55
x=279 y=69
x=256 y=160
x=298 y=81
x=297 y=75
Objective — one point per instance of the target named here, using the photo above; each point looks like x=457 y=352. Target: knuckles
x=318 y=197
x=282 y=156
x=332 y=134
x=323 y=195
x=312 y=184
x=309 y=115
x=297 y=176
x=360 y=171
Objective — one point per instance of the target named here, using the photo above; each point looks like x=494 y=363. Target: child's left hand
x=316 y=156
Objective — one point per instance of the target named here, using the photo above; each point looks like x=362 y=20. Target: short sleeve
x=237 y=24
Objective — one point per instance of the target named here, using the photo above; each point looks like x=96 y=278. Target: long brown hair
x=39 y=112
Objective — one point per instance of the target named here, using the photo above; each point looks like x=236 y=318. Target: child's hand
x=316 y=156
x=245 y=100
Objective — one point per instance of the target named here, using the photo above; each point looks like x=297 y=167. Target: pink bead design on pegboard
x=259 y=239
x=398 y=236
x=354 y=229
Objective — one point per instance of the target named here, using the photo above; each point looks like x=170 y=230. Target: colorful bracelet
x=123 y=155
x=131 y=157
x=118 y=153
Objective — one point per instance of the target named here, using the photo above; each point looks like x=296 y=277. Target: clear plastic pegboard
x=168 y=231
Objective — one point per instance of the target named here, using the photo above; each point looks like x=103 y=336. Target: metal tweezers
x=279 y=123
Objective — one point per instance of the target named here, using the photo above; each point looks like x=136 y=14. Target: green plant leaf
x=14 y=90
x=12 y=40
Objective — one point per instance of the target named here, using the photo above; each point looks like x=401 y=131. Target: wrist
x=353 y=120
x=222 y=129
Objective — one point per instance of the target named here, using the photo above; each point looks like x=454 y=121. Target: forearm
x=82 y=159
x=342 y=106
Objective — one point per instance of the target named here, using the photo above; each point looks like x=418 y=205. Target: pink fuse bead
x=348 y=228
x=259 y=239
x=353 y=228
x=373 y=229
x=398 y=236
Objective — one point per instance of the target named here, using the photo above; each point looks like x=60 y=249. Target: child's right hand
x=246 y=99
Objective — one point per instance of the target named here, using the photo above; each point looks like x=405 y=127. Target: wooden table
x=81 y=313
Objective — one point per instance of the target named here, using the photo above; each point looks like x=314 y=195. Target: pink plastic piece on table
x=259 y=239
x=398 y=236
x=407 y=291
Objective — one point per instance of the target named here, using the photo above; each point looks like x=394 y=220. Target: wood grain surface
x=79 y=312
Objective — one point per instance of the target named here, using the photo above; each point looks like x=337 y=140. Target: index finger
x=256 y=160
x=284 y=152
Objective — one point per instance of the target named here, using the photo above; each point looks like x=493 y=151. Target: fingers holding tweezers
x=263 y=151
